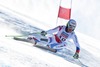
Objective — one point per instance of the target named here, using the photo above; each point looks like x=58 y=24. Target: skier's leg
x=50 y=42
x=49 y=39
x=56 y=46
x=42 y=39
x=33 y=40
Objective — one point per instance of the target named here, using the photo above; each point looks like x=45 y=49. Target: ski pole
x=21 y=35
x=83 y=65
x=14 y=35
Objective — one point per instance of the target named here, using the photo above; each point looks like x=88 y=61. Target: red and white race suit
x=59 y=37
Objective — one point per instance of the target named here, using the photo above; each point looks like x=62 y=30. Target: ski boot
x=33 y=40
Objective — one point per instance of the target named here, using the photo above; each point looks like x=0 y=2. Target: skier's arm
x=51 y=31
x=54 y=30
x=76 y=55
x=76 y=43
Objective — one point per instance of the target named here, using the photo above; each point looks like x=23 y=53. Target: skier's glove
x=76 y=55
x=43 y=33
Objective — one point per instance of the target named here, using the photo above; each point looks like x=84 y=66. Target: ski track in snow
x=18 y=24
x=24 y=28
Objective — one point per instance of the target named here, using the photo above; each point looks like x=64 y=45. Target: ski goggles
x=71 y=26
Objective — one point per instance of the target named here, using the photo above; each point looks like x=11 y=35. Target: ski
x=46 y=48
x=21 y=39
x=35 y=45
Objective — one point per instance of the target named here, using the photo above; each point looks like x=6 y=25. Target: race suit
x=59 y=37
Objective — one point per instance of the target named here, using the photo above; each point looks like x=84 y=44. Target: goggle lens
x=71 y=26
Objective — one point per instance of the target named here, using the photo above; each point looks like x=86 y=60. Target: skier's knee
x=42 y=39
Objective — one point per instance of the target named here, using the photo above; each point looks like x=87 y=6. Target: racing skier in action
x=60 y=34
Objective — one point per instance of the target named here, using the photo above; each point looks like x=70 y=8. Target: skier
x=60 y=34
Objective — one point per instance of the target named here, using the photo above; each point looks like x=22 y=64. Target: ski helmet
x=71 y=24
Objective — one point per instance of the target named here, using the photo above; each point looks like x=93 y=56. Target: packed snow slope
x=21 y=54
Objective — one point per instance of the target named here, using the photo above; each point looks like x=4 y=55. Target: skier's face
x=70 y=30
x=71 y=27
